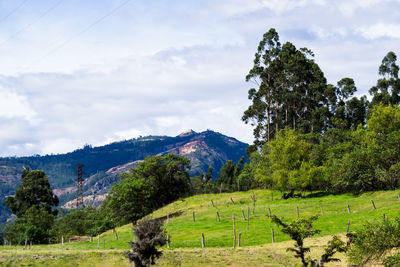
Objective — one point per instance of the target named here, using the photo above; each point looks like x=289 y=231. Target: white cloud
x=13 y=105
x=161 y=67
x=240 y=8
x=348 y=7
x=326 y=33
x=380 y=30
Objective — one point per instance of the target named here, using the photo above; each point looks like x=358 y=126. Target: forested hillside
x=104 y=163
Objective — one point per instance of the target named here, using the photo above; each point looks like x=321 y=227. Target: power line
x=14 y=10
x=32 y=23
x=62 y=44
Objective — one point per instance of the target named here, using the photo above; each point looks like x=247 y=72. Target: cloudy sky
x=76 y=72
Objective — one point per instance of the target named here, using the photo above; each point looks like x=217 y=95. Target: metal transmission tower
x=79 y=188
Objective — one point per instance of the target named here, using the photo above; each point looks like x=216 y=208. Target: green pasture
x=185 y=234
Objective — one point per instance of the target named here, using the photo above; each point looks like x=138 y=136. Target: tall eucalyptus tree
x=291 y=90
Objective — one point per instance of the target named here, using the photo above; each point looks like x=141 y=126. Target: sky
x=76 y=72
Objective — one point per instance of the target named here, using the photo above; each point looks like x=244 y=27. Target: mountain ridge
x=104 y=163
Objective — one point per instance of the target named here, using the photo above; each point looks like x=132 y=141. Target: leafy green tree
x=246 y=178
x=229 y=173
x=34 y=226
x=33 y=205
x=260 y=167
x=346 y=112
x=208 y=176
x=167 y=176
x=299 y=230
x=129 y=200
x=155 y=182
x=288 y=155
x=80 y=222
x=375 y=241
x=371 y=159
x=34 y=191
x=198 y=185
x=387 y=89
x=226 y=173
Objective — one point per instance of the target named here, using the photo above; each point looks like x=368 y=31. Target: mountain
x=103 y=164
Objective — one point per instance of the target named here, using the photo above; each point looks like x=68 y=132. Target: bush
x=149 y=234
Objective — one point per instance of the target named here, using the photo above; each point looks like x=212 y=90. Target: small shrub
x=149 y=234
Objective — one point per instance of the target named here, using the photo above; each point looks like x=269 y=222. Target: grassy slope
x=219 y=234
x=257 y=248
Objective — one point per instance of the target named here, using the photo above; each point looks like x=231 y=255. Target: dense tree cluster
x=310 y=135
x=232 y=177
x=353 y=160
x=293 y=92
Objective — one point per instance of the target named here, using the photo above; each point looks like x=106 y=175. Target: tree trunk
x=286 y=116
x=268 y=125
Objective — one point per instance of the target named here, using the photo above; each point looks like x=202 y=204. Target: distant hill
x=104 y=163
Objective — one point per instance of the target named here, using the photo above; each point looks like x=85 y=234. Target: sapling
x=299 y=230
x=149 y=234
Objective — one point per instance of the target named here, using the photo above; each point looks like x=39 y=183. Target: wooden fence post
x=244 y=217
x=218 y=216
x=383 y=216
x=234 y=231
x=297 y=208
x=168 y=241
x=194 y=218
x=348 y=209
x=220 y=189
x=248 y=218
x=98 y=241
x=254 y=203
x=373 y=204
x=272 y=235
x=212 y=203
x=322 y=212
x=239 y=237
x=62 y=241
x=233 y=202
x=115 y=234
x=348 y=226
x=203 y=245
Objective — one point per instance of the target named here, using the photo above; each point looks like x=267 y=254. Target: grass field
x=256 y=247
x=264 y=255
